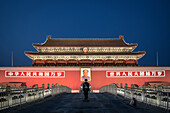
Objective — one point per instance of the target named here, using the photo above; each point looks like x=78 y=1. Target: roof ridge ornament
x=121 y=37
x=48 y=37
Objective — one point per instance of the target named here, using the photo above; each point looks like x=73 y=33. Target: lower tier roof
x=61 y=53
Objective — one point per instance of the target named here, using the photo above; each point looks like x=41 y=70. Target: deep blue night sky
x=23 y=22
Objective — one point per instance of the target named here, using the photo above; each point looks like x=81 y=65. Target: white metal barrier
x=10 y=97
x=156 y=96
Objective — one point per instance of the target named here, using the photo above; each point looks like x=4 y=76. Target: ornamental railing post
x=117 y=85
x=55 y=89
x=167 y=102
x=52 y=90
x=125 y=88
x=111 y=88
x=43 y=90
x=37 y=91
x=159 y=96
x=121 y=85
x=143 y=92
x=25 y=93
x=58 y=89
x=48 y=86
x=132 y=91
x=115 y=89
x=48 y=89
x=8 y=92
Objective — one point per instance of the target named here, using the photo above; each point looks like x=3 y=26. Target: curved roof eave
x=91 y=42
x=38 y=45
x=35 y=53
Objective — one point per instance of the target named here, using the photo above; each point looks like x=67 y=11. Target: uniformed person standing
x=86 y=89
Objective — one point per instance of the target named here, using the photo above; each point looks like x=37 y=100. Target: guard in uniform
x=86 y=89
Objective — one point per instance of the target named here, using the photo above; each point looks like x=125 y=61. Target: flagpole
x=12 y=59
x=157 y=58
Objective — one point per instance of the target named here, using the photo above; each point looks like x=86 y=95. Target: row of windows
x=84 y=57
x=81 y=49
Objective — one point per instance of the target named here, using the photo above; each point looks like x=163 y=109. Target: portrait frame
x=89 y=73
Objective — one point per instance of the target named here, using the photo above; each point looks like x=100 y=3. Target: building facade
x=85 y=52
x=105 y=61
x=71 y=76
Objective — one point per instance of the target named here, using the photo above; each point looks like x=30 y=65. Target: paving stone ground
x=73 y=103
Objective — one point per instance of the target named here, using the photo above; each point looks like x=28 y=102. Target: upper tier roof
x=85 y=42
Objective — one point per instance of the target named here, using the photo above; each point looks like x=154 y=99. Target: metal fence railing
x=10 y=97
x=156 y=96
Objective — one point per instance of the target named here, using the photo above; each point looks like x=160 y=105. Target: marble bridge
x=73 y=103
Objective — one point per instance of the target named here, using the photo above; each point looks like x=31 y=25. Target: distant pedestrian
x=86 y=89
x=133 y=102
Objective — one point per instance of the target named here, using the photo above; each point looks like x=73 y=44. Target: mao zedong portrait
x=85 y=75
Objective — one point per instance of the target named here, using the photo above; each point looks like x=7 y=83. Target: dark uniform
x=86 y=89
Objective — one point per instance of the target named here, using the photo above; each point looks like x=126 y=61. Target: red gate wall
x=72 y=76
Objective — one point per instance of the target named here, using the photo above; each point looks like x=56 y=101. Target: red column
x=77 y=62
x=55 y=61
x=136 y=61
x=104 y=61
x=93 y=61
x=126 y=61
x=66 y=61
x=33 y=62
x=115 y=61
x=43 y=61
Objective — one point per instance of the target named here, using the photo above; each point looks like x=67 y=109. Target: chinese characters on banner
x=110 y=74
x=58 y=74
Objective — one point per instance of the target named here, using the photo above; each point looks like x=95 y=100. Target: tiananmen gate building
x=65 y=61
x=85 y=52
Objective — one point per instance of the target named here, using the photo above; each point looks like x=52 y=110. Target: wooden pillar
x=33 y=61
x=55 y=62
x=104 y=61
x=66 y=61
x=136 y=62
x=93 y=61
x=115 y=61
x=126 y=62
x=44 y=61
x=77 y=62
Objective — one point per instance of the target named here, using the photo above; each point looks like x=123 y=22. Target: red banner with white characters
x=110 y=74
x=49 y=74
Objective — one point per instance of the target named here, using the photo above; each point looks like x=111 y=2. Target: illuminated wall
x=72 y=75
